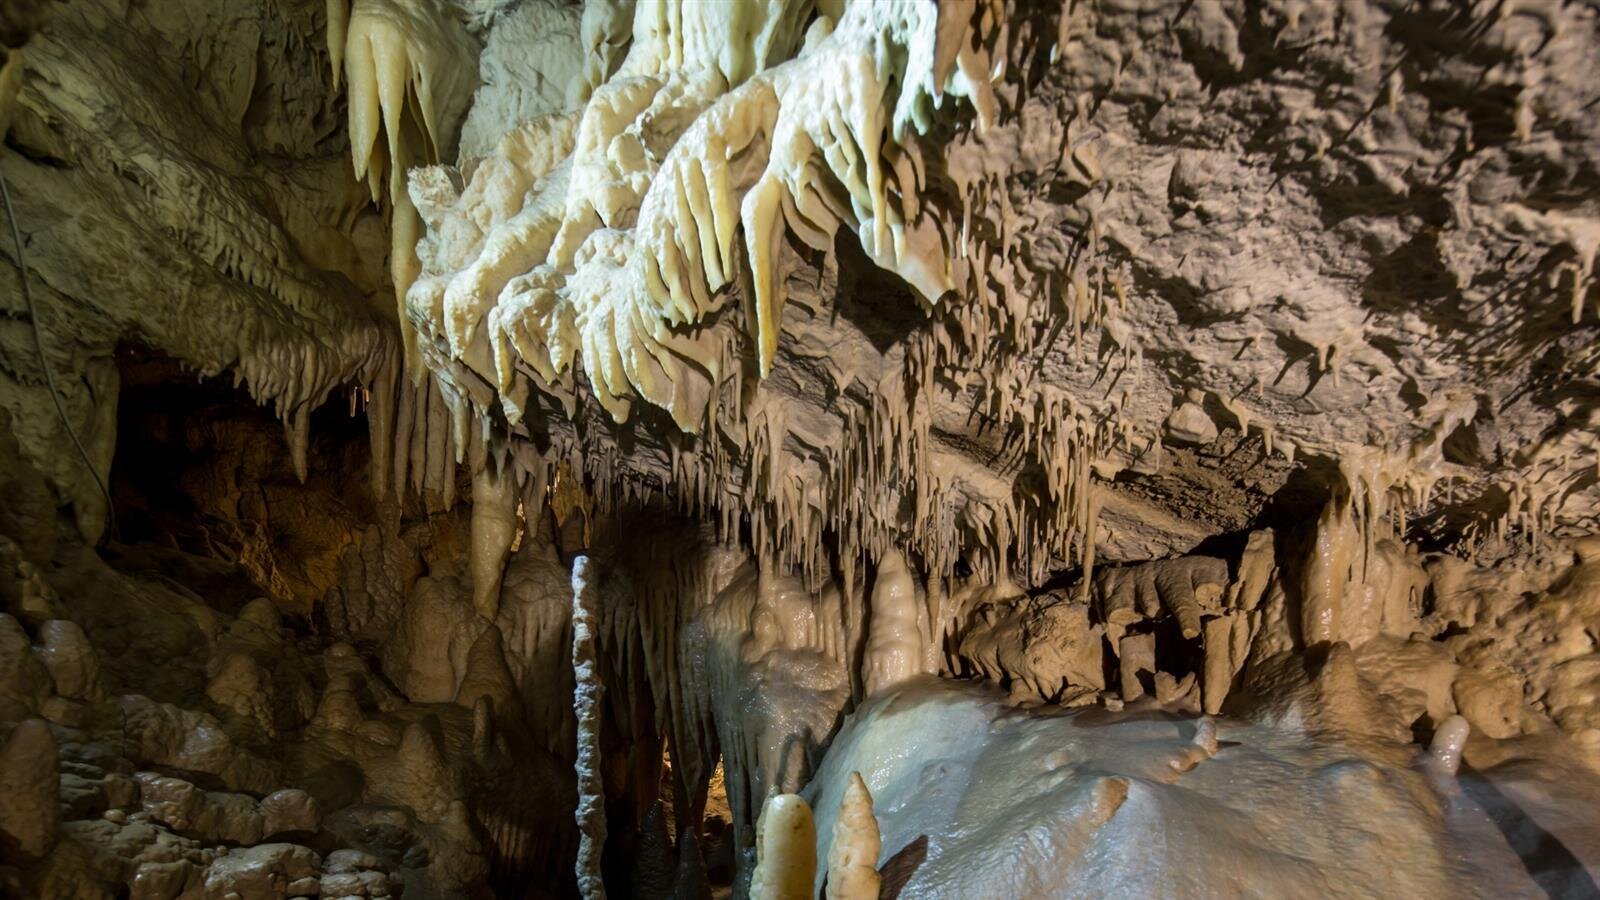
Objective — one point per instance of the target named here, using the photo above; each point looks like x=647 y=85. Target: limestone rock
x=258 y=620
x=165 y=880
x=82 y=798
x=1189 y=424
x=183 y=739
x=262 y=872
x=23 y=678
x=23 y=590
x=71 y=660
x=27 y=518
x=289 y=810
x=243 y=687
x=30 y=779
x=209 y=816
x=346 y=861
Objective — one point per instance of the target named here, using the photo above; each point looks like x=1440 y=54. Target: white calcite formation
x=786 y=853
x=853 y=851
x=975 y=799
x=710 y=153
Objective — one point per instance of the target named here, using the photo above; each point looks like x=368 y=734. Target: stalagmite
x=1444 y=751
x=1220 y=664
x=482 y=728
x=1205 y=735
x=656 y=868
x=843 y=380
x=587 y=695
x=1201 y=747
x=1136 y=656
x=853 y=854
x=786 y=850
x=894 y=638
x=487 y=676
x=1254 y=571
x=422 y=755
x=691 y=881
x=1327 y=573
x=494 y=528
x=1171 y=689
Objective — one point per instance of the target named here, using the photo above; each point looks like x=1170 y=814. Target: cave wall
x=1221 y=359
x=177 y=172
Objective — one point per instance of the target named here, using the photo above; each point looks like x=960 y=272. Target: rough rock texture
x=180 y=180
x=28 y=787
x=154 y=744
x=1294 y=224
x=1226 y=366
x=1278 y=227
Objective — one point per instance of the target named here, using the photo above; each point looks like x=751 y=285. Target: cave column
x=587 y=695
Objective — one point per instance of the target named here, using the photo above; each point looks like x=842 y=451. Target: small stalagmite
x=782 y=399
x=690 y=883
x=853 y=855
x=1327 y=574
x=656 y=866
x=1138 y=655
x=786 y=850
x=1444 y=751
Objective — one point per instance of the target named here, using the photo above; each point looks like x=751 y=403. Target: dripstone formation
x=799 y=448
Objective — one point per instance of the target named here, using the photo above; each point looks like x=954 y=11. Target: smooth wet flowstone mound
x=977 y=799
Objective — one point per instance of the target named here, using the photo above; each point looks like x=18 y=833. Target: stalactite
x=299 y=427
x=494 y=527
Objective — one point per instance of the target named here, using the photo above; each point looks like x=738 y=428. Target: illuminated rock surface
x=453 y=448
